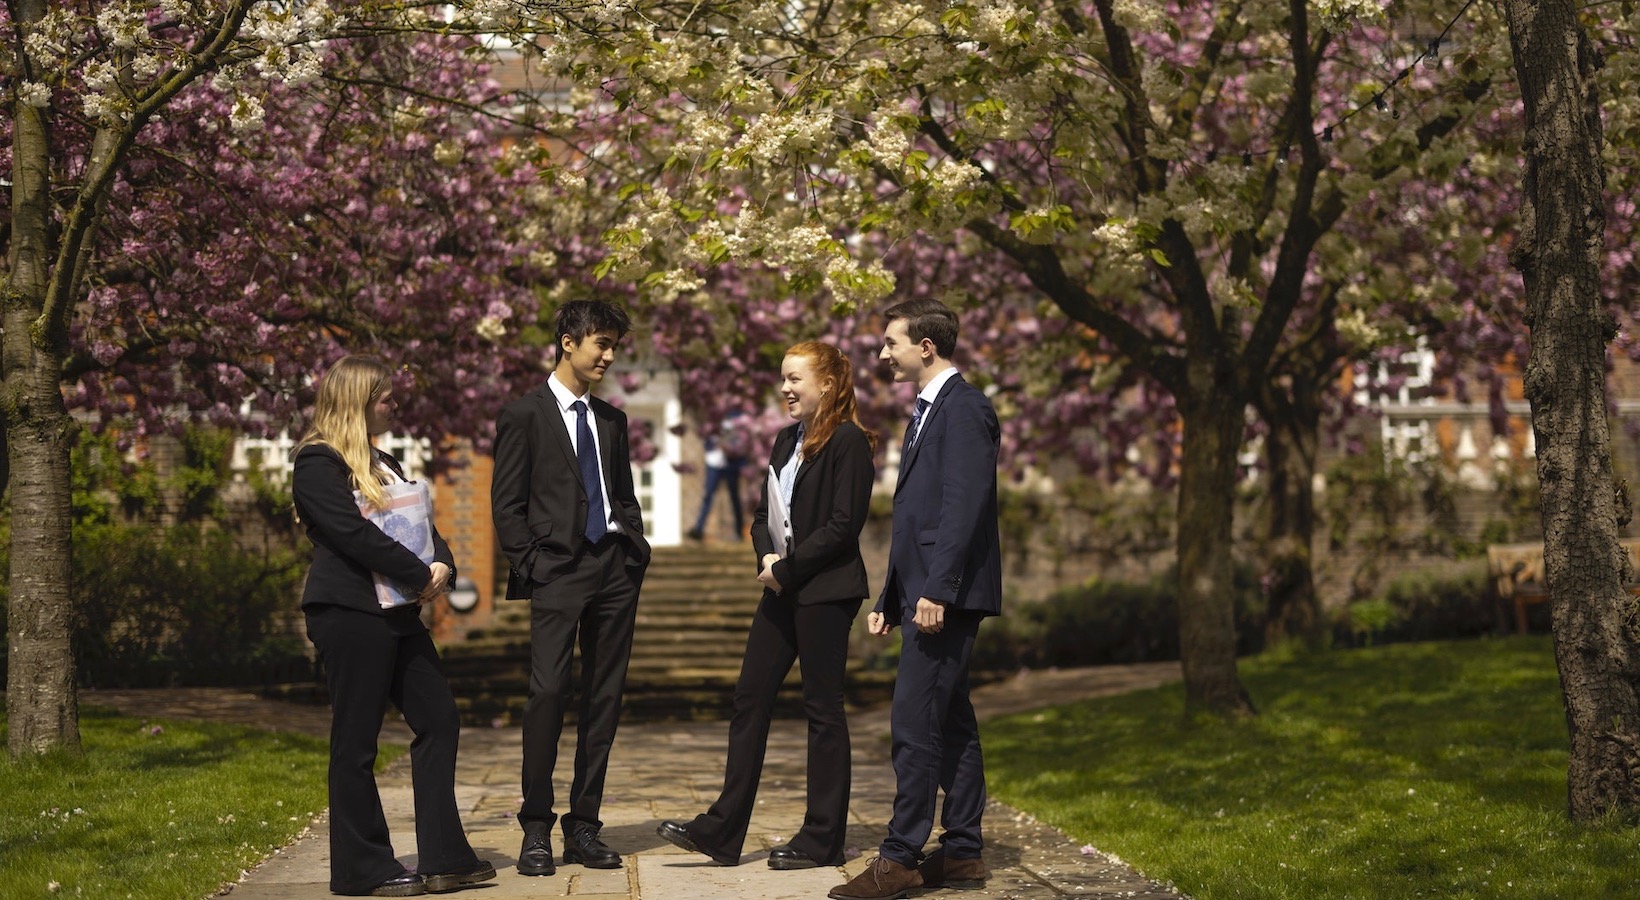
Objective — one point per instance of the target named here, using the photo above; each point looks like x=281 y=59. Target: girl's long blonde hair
x=834 y=370
x=345 y=393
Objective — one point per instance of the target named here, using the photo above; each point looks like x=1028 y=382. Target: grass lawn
x=1416 y=770
x=164 y=810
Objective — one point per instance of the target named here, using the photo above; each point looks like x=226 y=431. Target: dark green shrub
x=1102 y=622
x=181 y=605
x=197 y=602
x=1453 y=601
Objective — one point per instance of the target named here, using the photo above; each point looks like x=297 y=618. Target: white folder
x=780 y=518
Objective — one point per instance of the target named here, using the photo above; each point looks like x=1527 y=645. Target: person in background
x=567 y=516
x=726 y=454
x=374 y=655
x=812 y=591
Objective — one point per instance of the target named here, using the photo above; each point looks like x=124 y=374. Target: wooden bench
x=1517 y=573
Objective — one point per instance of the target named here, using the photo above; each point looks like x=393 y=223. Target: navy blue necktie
x=586 y=456
x=916 y=423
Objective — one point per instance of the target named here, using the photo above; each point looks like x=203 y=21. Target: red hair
x=836 y=374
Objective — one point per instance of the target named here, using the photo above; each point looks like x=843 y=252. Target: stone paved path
x=673 y=771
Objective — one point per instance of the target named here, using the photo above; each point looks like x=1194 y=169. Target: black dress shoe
x=784 y=857
x=581 y=845
x=451 y=881
x=678 y=836
x=535 y=857
x=404 y=884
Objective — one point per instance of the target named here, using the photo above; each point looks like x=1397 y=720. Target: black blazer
x=347 y=548
x=536 y=496
x=946 y=544
x=830 y=501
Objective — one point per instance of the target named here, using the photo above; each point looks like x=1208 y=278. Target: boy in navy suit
x=568 y=519
x=944 y=576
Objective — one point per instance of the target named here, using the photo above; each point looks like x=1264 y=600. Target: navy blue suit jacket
x=946 y=544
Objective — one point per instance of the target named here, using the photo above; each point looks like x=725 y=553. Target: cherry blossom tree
x=1167 y=176
x=208 y=203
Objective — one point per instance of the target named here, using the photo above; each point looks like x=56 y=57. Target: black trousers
x=597 y=602
x=782 y=633
x=935 y=745
x=370 y=660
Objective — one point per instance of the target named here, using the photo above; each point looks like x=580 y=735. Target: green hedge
x=184 y=605
x=189 y=602
x=1100 y=622
x=1454 y=600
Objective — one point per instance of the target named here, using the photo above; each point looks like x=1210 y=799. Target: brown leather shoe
x=938 y=871
x=883 y=879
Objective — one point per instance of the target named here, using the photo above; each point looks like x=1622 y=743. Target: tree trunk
x=1213 y=428
x=1290 y=454
x=1558 y=254
x=41 y=708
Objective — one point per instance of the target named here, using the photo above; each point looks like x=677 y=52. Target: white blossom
x=1337 y=15
x=1001 y=25
x=888 y=143
x=247 y=114
x=101 y=77
x=448 y=152
x=1357 y=328
x=1139 y=15
x=674 y=282
x=35 y=94
x=122 y=25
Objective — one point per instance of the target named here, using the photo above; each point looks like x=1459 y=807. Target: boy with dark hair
x=568 y=519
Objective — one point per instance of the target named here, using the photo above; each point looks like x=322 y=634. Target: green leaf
x=957 y=16
x=804 y=283
x=988 y=109
x=874 y=218
x=716 y=250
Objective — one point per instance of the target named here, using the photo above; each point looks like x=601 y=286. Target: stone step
x=686 y=592
x=686 y=694
x=649 y=670
x=660 y=615
x=728 y=635
x=477 y=671
x=482 y=670
x=693 y=616
x=707 y=697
